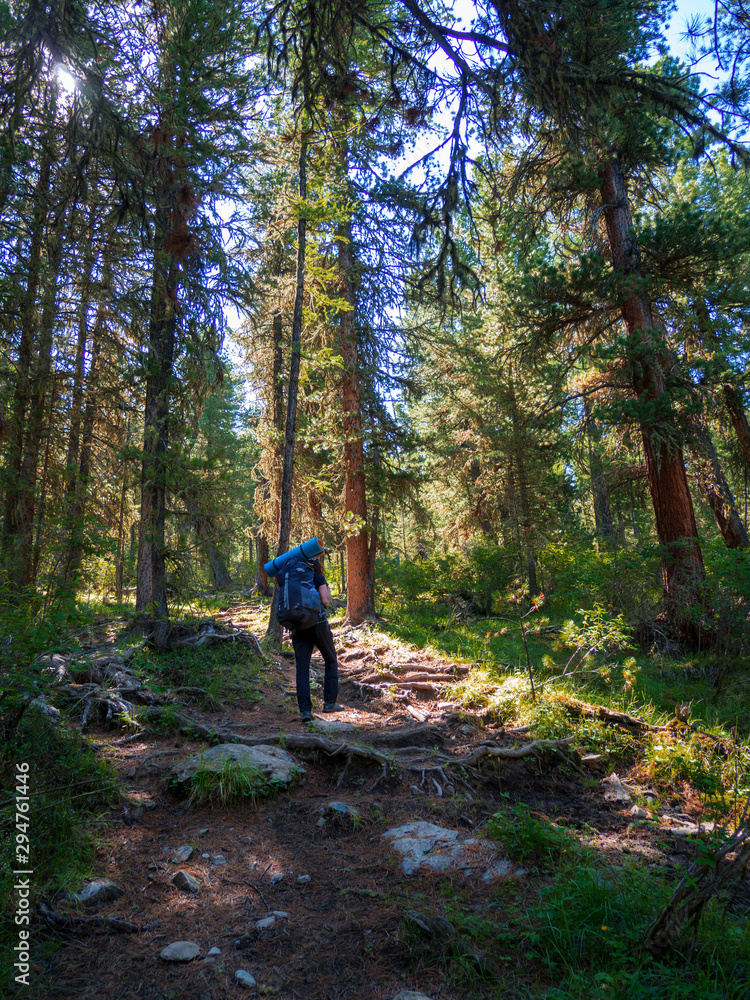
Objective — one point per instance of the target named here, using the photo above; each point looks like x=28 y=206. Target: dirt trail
x=343 y=936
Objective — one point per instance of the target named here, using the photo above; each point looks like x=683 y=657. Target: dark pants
x=303 y=641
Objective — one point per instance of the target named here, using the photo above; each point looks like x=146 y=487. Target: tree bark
x=206 y=533
x=81 y=434
x=151 y=596
x=683 y=573
x=274 y=631
x=605 y=525
x=714 y=486
x=523 y=493
x=359 y=603
x=16 y=547
x=731 y=391
x=261 y=577
x=40 y=382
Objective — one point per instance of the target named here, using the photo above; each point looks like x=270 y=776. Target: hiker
x=320 y=636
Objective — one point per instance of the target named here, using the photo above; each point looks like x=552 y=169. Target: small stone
x=411 y=995
x=218 y=859
x=688 y=830
x=246 y=840
x=616 y=790
x=280 y=914
x=339 y=811
x=265 y=923
x=100 y=891
x=180 y=951
x=213 y=952
x=638 y=813
x=185 y=881
x=202 y=833
x=302 y=879
x=245 y=978
x=183 y=854
x=205 y=856
x=275 y=879
x=321 y=822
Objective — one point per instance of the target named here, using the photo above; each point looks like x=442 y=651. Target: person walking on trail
x=317 y=636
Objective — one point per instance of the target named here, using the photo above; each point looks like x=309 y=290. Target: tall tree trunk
x=261 y=577
x=274 y=631
x=527 y=540
x=83 y=386
x=43 y=486
x=17 y=560
x=151 y=596
x=372 y=550
x=206 y=533
x=80 y=482
x=683 y=572
x=120 y=564
x=731 y=391
x=359 y=603
x=605 y=525
x=39 y=386
x=714 y=486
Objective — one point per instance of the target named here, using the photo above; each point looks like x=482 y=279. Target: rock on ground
x=185 y=881
x=245 y=978
x=423 y=843
x=100 y=891
x=275 y=765
x=180 y=951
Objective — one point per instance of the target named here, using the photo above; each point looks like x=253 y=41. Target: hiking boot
x=332 y=706
x=306 y=717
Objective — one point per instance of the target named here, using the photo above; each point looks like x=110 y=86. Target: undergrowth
x=225 y=672
x=576 y=931
x=69 y=788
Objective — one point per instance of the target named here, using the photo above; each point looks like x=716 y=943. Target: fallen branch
x=700 y=883
x=62 y=921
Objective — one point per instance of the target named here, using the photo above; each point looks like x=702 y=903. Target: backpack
x=298 y=603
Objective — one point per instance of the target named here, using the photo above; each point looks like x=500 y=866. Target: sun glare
x=66 y=80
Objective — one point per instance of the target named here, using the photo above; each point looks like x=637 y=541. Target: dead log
x=610 y=717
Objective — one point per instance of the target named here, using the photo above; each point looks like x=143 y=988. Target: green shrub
x=529 y=839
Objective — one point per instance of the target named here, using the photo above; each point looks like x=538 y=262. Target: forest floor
x=344 y=935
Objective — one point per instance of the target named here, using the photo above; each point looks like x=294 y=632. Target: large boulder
x=270 y=765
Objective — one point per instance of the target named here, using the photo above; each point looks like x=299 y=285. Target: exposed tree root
x=513 y=753
x=66 y=922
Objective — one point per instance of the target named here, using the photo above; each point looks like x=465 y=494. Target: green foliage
x=584 y=576
x=226 y=671
x=529 y=839
x=69 y=787
x=587 y=928
x=552 y=721
x=233 y=782
x=597 y=632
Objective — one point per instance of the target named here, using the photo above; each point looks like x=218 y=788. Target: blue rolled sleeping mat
x=308 y=550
